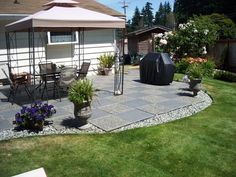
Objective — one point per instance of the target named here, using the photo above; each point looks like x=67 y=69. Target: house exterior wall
x=96 y=42
x=145 y=44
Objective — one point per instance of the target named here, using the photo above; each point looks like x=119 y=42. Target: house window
x=62 y=37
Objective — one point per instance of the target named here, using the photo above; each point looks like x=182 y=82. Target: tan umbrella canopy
x=66 y=17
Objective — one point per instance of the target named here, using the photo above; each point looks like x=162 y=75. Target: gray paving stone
x=122 y=98
x=103 y=94
x=115 y=108
x=154 y=92
x=154 y=98
x=61 y=111
x=9 y=114
x=172 y=104
x=101 y=102
x=109 y=123
x=136 y=94
x=154 y=109
x=136 y=103
x=5 y=124
x=170 y=95
x=139 y=101
x=139 y=88
x=134 y=115
x=97 y=113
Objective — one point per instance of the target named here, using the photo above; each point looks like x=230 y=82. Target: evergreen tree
x=136 y=19
x=164 y=16
x=159 y=15
x=147 y=15
x=184 y=9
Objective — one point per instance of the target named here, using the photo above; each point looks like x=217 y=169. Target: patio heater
x=118 y=81
x=119 y=71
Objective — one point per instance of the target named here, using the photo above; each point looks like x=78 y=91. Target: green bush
x=208 y=68
x=181 y=66
x=225 y=76
x=227 y=28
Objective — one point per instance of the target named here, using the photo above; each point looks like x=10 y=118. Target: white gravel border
x=89 y=129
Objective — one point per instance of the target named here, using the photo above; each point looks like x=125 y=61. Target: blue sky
x=116 y=4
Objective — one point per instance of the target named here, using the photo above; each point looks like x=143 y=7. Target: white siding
x=96 y=42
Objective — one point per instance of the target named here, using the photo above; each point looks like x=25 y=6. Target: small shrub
x=33 y=117
x=181 y=66
x=225 y=76
x=81 y=91
x=106 y=60
x=208 y=68
x=195 y=71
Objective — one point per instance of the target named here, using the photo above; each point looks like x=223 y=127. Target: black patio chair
x=48 y=75
x=83 y=71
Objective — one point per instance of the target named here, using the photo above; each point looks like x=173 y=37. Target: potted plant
x=195 y=73
x=33 y=117
x=81 y=93
x=106 y=61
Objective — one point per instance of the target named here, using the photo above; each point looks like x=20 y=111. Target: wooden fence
x=224 y=54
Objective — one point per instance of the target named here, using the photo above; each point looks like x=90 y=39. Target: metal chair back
x=67 y=76
x=83 y=70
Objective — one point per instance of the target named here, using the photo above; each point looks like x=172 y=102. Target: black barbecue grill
x=157 y=69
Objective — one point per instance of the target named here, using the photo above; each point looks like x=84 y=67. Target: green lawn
x=197 y=146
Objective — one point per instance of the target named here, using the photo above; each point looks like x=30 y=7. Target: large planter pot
x=195 y=85
x=82 y=112
x=108 y=71
x=101 y=71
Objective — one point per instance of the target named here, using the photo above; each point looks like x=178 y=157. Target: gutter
x=12 y=16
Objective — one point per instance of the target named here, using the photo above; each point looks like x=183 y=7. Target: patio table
x=49 y=77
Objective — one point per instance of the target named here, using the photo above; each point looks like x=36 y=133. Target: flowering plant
x=33 y=117
x=196 y=60
x=191 y=38
x=161 y=41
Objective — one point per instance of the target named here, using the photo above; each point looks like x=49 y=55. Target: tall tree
x=184 y=9
x=147 y=15
x=159 y=15
x=136 y=19
x=164 y=16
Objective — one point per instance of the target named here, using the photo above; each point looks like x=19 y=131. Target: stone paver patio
x=139 y=102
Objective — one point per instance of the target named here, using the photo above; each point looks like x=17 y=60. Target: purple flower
x=23 y=109
x=50 y=107
x=33 y=110
x=19 y=120
x=17 y=115
x=40 y=117
x=37 y=112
